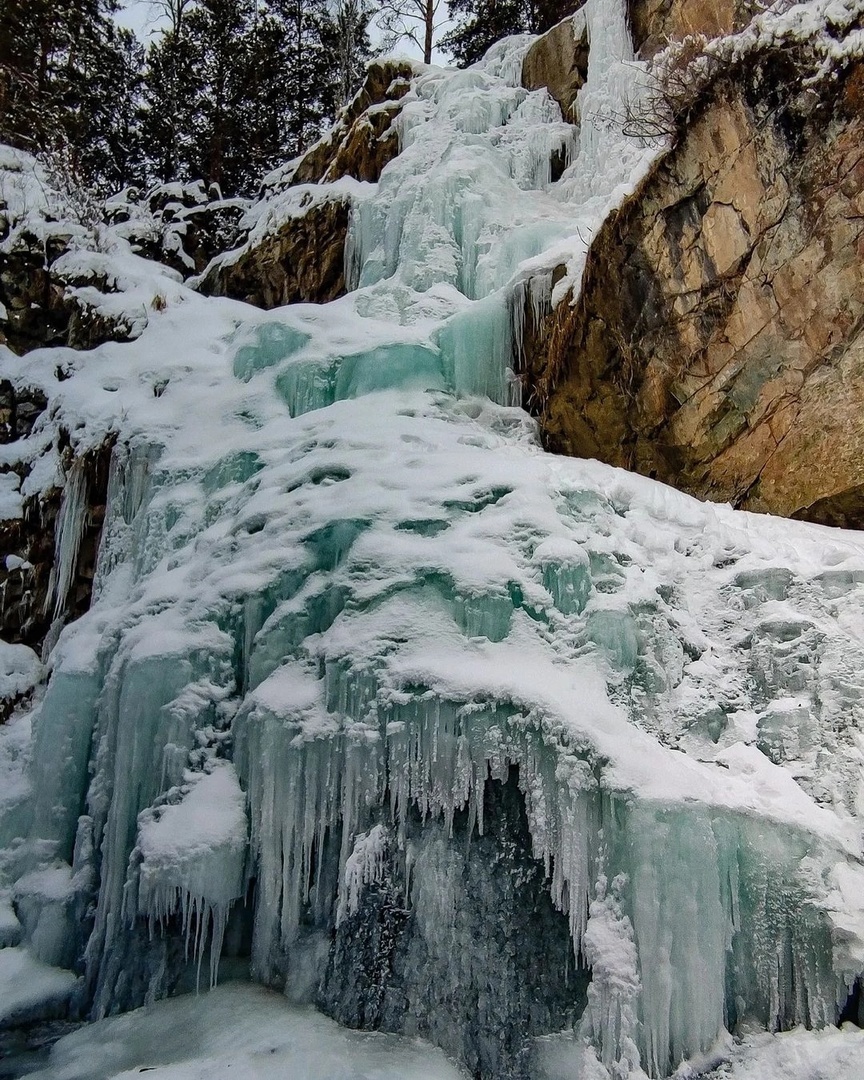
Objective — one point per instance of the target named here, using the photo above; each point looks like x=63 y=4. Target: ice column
x=70 y=529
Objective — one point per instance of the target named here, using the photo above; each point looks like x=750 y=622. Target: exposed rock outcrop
x=295 y=245
x=181 y=225
x=29 y=594
x=35 y=310
x=62 y=283
x=717 y=344
x=363 y=139
x=303 y=260
x=558 y=61
x=654 y=23
x=385 y=973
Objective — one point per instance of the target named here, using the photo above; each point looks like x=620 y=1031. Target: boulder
x=303 y=260
x=558 y=61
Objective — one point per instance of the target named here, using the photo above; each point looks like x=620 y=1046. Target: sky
x=137 y=15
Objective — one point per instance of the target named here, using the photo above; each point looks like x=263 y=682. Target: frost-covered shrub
x=814 y=43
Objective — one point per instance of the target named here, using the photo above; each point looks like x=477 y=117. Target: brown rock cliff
x=717 y=343
x=558 y=61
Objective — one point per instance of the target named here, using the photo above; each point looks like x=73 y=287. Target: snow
x=611 y=1017
x=827 y=33
x=243 y=1030
x=341 y=584
x=15 y=787
x=11 y=505
x=830 y=1054
x=29 y=988
x=796 y=1055
x=20 y=670
x=363 y=867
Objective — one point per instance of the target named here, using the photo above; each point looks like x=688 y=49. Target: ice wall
x=339 y=576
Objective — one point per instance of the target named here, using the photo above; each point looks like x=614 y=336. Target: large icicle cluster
x=336 y=560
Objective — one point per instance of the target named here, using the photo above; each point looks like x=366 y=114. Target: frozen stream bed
x=250 y=1032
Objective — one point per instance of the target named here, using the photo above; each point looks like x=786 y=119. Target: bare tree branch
x=411 y=20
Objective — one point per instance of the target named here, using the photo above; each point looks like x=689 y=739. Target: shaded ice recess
x=424 y=726
x=724 y=931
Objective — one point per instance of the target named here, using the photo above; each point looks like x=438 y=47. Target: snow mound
x=30 y=989
x=238 y=1029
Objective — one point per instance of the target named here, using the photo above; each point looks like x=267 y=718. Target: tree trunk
x=430 y=19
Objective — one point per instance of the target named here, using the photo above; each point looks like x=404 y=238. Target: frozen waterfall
x=452 y=737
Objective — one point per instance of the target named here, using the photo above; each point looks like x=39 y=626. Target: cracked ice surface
x=336 y=560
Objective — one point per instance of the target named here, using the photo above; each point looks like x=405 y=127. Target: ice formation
x=341 y=591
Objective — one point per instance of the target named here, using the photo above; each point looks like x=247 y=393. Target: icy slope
x=338 y=571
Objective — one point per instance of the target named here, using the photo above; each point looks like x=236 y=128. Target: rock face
x=558 y=61
x=37 y=309
x=717 y=343
x=363 y=139
x=477 y=984
x=180 y=225
x=26 y=584
x=302 y=261
x=653 y=23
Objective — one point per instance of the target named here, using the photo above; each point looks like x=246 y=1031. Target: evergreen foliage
x=226 y=90
x=235 y=86
x=480 y=23
x=69 y=82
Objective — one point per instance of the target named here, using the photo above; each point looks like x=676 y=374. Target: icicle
x=124 y=534
x=681 y=900
x=68 y=536
x=611 y=1017
x=190 y=860
x=365 y=866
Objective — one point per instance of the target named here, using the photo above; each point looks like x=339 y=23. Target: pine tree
x=480 y=23
x=68 y=86
x=229 y=88
x=171 y=85
x=222 y=29
x=346 y=36
x=311 y=78
x=102 y=116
